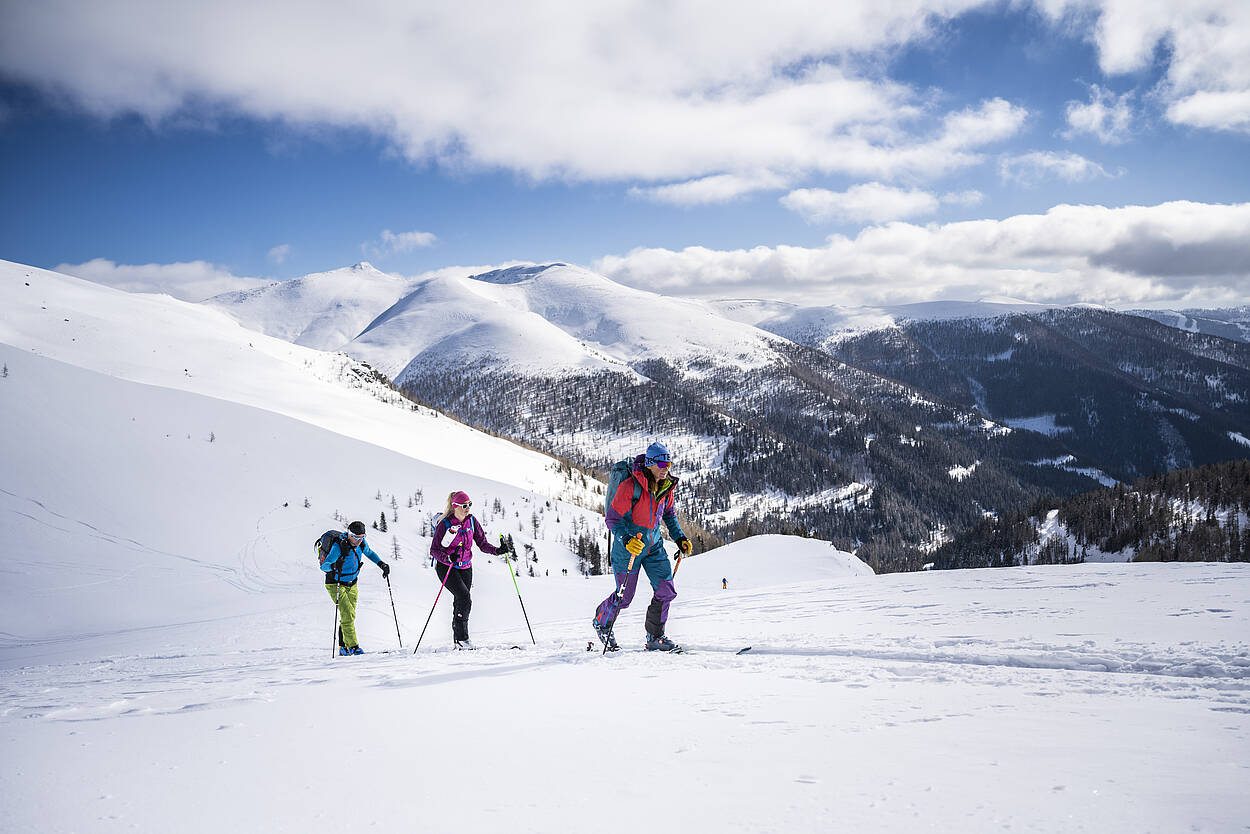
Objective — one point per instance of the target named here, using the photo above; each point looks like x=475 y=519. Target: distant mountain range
x=1230 y=323
x=888 y=428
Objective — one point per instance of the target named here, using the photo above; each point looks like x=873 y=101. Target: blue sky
x=897 y=150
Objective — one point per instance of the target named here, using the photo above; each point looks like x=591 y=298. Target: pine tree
x=382 y=522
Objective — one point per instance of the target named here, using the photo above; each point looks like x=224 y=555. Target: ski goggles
x=354 y=539
x=662 y=463
x=466 y=504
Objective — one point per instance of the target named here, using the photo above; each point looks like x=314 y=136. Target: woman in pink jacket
x=452 y=549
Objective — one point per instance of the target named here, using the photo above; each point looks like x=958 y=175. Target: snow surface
x=1042 y=424
x=161 y=341
x=165 y=641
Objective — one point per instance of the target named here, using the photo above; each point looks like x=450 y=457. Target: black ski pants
x=459 y=583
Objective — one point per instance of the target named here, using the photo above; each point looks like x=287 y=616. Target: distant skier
x=342 y=569
x=641 y=500
x=452 y=549
x=724 y=583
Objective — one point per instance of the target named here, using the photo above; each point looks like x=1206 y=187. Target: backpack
x=438 y=519
x=620 y=470
x=326 y=541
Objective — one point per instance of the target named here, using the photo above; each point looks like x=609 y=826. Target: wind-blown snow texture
x=165 y=637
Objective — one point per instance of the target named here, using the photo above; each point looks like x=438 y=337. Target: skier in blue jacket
x=342 y=569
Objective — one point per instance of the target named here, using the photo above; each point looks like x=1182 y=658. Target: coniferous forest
x=1189 y=515
x=888 y=443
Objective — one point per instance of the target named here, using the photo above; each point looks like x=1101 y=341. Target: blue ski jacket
x=349 y=571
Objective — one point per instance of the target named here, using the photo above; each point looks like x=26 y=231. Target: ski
x=692 y=650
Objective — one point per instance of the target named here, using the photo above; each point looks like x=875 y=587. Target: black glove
x=684 y=546
x=386 y=570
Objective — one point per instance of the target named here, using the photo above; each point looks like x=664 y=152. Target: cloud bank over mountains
x=1180 y=254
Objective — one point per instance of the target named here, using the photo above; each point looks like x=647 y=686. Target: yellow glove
x=634 y=545
x=683 y=544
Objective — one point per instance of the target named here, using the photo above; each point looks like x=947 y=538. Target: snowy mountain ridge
x=324 y=310
x=157 y=340
x=551 y=318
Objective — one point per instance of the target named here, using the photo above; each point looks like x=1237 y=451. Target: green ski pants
x=346 y=595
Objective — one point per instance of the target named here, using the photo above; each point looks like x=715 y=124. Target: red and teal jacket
x=647 y=513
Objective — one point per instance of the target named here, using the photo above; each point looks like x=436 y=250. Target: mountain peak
x=514 y=274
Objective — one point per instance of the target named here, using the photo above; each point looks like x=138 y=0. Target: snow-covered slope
x=160 y=341
x=550 y=319
x=325 y=310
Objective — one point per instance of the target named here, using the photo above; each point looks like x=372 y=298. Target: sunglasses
x=466 y=504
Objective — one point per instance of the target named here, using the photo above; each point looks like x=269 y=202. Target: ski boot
x=344 y=651
x=465 y=645
x=357 y=650
x=661 y=644
x=605 y=637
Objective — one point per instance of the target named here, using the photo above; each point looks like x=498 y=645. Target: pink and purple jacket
x=454 y=540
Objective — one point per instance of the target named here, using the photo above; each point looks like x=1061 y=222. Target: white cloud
x=1106 y=116
x=872 y=202
x=1182 y=253
x=1214 y=109
x=1203 y=43
x=969 y=198
x=188 y=281
x=389 y=243
x=719 y=188
x=683 y=93
x=279 y=253
x=1031 y=169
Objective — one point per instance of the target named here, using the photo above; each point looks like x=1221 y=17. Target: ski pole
x=334 y=637
x=518 y=590
x=432 y=607
x=620 y=588
x=393 y=614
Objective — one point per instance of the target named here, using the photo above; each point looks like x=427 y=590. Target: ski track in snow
x=162 y=685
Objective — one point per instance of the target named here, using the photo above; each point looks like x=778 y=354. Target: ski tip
x=743 y=650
